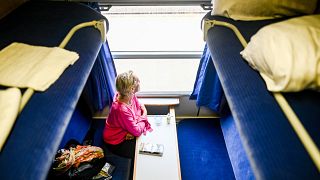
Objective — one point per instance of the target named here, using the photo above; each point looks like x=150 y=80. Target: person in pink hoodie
x=127 y=118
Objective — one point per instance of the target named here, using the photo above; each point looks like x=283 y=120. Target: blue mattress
x=39 y=129
x=273 y=148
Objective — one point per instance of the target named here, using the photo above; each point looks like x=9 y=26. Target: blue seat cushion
x=202 y=151
x=122 y=164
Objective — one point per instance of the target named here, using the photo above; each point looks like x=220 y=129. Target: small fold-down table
x=164 y=132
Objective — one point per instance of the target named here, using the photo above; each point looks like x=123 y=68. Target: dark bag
x=87 y=170
x=77 y=162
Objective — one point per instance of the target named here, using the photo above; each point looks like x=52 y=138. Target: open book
x=151 y=149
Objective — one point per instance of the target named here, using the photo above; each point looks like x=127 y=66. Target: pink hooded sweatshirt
x=124 y=119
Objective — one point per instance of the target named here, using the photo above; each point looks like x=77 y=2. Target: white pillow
x=262 y=9
x=287 y=54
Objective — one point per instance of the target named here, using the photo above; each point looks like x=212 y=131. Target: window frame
x=178 y=55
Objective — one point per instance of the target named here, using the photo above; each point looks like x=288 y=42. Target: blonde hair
x=125 y=81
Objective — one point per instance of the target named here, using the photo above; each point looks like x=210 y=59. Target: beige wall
x=7 y=6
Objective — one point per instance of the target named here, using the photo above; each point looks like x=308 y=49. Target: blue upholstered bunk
x=273 y=149
x=202 y=150
x=39 y=129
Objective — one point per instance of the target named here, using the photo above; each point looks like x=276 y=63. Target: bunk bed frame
x=275 y=147
x=41 y=125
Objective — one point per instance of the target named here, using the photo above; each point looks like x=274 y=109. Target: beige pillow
x=262 y=9
x=287 y=54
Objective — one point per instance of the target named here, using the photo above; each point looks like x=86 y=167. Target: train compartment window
x=162 y=44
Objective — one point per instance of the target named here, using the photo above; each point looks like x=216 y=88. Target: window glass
x=162 y=44
x=162 y=75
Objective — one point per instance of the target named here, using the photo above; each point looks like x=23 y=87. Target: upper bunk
x=273 y=147
x=39 y=128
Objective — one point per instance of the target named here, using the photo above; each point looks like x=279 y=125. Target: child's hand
x=129 y=136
